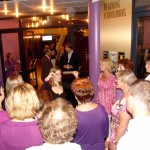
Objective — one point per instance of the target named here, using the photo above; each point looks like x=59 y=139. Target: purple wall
x=9 y=24
x=10 y=42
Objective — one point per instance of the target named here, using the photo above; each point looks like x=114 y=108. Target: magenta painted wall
x=1 y=74
x=146 y=32
x=9 y=24
x=10 y=43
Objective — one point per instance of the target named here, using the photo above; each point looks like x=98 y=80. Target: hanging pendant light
x=5 y=8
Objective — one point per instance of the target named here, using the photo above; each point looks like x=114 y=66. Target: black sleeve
x=63 y=60
x=45 y=86
x=77 y=62
x=55 y=52
x=66 y=85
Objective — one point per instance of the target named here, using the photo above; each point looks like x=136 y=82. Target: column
x=94 y=42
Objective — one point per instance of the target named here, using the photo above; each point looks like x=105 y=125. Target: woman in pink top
x=120 y=117
x=107 y=85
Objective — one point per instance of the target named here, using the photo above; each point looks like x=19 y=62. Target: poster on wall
x=105 y=54
x=113 y=56
x=121 y=55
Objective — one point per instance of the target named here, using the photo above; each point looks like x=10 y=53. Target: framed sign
x=105 y=54
x=121 y=55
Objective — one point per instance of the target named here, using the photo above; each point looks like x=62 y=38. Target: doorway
x=141 y=41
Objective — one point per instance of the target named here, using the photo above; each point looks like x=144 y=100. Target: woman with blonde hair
x=107 y=86
x=21 y=131
x=123 y=64
x=58 y=124
x=53 y=83
x=13 y=81
x=120 y=117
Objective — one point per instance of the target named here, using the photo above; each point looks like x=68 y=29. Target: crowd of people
x=48 y=119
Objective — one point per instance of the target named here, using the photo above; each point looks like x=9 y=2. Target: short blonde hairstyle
x=83 y=89
x=58 y=122
x=13 y=81
x=22 y=102
x=126 y=76
x=108 y=63
x=140 y=90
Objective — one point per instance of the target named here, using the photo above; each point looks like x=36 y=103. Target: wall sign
x=113 y=9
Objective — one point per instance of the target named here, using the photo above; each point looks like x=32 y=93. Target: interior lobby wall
x=58 y=31
x=9 y=42
x=55 y=31
x=115 y=26
x=9 y=24
x=146 y=40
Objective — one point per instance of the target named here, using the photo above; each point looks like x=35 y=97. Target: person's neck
x=57 y=83
x=70 y=51
x=106 y=74
x=25 y=120
x=1 y=107
x=125 y=91
x=86 y=106
x=140 y=110
x=141 y=115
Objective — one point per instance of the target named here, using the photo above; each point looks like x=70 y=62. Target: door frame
x=21 y=51
x=137 y=13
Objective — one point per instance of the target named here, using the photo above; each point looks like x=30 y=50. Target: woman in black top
x=53 y=83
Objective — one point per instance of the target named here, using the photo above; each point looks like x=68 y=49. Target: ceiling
x=34 y=7
x=27 y=9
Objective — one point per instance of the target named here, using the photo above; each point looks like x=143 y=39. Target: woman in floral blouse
x=120 y=117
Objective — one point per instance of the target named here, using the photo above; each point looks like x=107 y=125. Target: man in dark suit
x=46 y=62
x=70 y=60
x=54 y=53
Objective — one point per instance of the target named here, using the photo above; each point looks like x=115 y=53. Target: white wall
x=115 y=29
